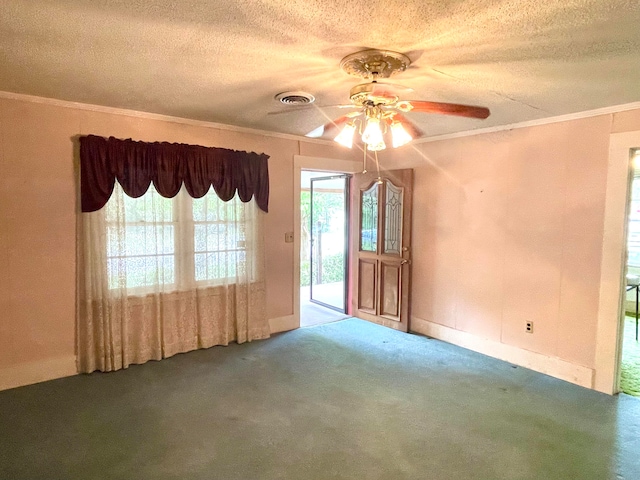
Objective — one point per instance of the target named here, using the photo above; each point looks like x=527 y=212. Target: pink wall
x=507 y=228
x=628 y=121
x=37 y=239
x=38 y=215
x=511 y=230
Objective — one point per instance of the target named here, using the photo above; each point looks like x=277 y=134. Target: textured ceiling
x=224 y=60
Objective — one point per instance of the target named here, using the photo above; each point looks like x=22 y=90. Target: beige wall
x=38 y=215
x=508 y=227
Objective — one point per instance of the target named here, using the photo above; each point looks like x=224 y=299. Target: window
x=634 y=224
x=174 y=243
x=220 y=238
x=633 y=242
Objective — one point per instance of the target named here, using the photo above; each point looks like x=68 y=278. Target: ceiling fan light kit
x=399 y=135
x=372 y=134
x=372 y=97
x=345 y=137
x=379 y=108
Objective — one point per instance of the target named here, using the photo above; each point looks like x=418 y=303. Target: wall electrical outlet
x=288 y=237
x=529 y=328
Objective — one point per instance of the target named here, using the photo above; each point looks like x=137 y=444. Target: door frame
x=346 y=243
x=321 y=164
x=613 y=263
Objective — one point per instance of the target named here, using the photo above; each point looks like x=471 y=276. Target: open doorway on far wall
x=630 y=362
x=324 y=203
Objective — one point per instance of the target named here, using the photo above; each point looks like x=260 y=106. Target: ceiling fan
x=379 y=111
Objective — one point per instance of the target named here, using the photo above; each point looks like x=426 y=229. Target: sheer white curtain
x=161 y=276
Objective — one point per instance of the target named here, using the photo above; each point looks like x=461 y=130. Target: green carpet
x=346 y=400
x=630 y=368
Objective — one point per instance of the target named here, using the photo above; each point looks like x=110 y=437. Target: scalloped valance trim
x=135 y=165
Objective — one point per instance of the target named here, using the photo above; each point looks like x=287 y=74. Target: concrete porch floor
x=313 y=314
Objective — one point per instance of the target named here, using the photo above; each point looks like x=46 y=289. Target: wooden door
x=381 y=247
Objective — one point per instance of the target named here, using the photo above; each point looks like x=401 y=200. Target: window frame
x=184 y=244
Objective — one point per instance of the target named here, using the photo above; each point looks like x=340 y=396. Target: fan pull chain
x=364 y=161
x=375 y=152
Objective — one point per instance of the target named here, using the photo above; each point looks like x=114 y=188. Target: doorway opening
x=324 y=247
x=630 y=353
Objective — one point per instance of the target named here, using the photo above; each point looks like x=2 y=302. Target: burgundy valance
x=168 y=165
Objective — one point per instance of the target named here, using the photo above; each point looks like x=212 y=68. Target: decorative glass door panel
x=393 y=219
x=369 y=219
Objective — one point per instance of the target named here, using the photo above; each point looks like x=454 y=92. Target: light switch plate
x=288 y=237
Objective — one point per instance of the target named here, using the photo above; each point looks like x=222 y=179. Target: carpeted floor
x=346 y=400
x=630 y=365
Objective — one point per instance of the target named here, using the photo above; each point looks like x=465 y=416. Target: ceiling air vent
x=295 y=98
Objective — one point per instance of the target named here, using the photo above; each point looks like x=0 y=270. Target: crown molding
x=156 y=116
x=533 y=123
x=287 y=136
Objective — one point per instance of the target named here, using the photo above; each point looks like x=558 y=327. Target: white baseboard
x=283 y=324
x=552 y=366
x=36 y=372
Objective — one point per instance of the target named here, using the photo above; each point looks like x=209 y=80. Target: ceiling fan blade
x=303 y=108
x=333 y=124
x=316 y=132
x=470 y=111
x=391 y=88
x=389 y=91
x=408 y=125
